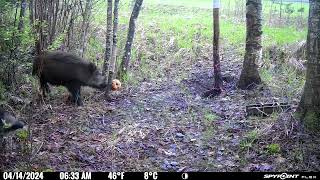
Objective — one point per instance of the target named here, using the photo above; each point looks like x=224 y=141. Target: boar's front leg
x=74 y=89
x=44 y=87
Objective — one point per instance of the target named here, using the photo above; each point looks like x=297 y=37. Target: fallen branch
x=266 y=109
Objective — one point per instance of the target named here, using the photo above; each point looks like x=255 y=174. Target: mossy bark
x=108 y=39
x=127 y=50
x=249 y=74
x=114 y=46
x=309 y=107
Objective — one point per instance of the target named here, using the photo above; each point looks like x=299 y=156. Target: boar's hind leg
x=74 y=89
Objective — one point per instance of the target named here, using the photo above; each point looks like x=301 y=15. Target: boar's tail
x=35 y=66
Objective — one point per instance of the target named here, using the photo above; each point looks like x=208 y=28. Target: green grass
x=187 y=3
x=193 y=18
x=183 y=25
x=273 y=148
x=185 y=19
x=284 y=81
x=266 y=76
x=22 y=134
x=295 y=7
x=210 y=117
x=249 y=139
x=230 y=6
x=235 y=34
x=282 y=36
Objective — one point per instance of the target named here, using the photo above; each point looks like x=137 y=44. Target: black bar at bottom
x=155 y=175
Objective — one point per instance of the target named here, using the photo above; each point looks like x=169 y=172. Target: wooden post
x=216 y=44
x=217 y=87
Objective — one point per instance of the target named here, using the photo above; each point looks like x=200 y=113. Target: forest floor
x=163 y=124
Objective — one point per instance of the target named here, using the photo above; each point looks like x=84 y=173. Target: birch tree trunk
x=22 y=15
x=127 y=51
x=114 y=45
x=108 y=39
x=85 y=25
x=31 y=13
x=309 y=106
x=249 y=74
x=280 y=18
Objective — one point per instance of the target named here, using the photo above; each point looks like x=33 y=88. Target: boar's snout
x=98 y=81
x=103 y=85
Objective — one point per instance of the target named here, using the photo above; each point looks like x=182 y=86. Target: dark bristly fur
x=66 y=69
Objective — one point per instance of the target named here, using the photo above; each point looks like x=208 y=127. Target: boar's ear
x=92 y=67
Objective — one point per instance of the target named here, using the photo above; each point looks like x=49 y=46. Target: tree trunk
x=108 y=39
x=39 y=16
x=31 y=13
x=69 y=30
x=280 y=23
x=249 y=74
x=22 y=15
x=229 y=8
x=114 y=45
x=309 y=106
x=54 y=21
x=85 y=25
x=270 y=13
x=49 y=14
x=10 y=69
x=242 y=2
x=52 y=18
x=127 y=51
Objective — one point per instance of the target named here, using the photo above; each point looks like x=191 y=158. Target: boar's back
x=59 y=68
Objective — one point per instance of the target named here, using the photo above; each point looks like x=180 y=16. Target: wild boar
x=8 y=122
x=66 y=69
